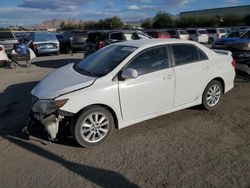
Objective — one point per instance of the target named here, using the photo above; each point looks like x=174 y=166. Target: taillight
x=233 y=63
x=34 y=46
x=101 y=44
x=1 y=48
x=218 y=35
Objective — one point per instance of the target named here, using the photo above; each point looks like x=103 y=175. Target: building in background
x=237 y=10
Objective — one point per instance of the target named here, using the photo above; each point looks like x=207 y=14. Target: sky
x=26 y=12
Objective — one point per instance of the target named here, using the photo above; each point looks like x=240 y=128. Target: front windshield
x=234 y=34
x=246 y=35
x=104 y=60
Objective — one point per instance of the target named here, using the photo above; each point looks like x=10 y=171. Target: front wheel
x=93 y=126
x=212 y=95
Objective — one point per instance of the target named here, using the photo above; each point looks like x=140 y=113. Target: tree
x=232 y=20
x=147 y=24
x=246 y=20
x=162 y=20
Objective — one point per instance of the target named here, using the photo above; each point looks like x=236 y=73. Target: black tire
x=83 y=117
x=13 y=65
x=210 y=40
x=206 y=95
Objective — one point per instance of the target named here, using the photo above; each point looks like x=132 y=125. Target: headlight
x=48 y=106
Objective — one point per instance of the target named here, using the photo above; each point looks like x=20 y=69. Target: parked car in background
x=239 y=46
x=44 y=43
x=21 y=36
x=98 y=39
x=178 y=34
x=215 y=33
x=74 y=40
x=198 y=35
x=129 y=82
x=161 y=34
x=3 y=56
x=8 y=40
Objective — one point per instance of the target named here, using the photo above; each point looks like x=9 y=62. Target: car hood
x=233 y=39
x=61 y=81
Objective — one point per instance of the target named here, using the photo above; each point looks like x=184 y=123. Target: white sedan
x=129 y=82
x=3 y=55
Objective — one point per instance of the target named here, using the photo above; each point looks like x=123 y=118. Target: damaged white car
x=129 y=82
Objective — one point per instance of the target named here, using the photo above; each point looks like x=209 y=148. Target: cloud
x=144 y=7
x=139 y=1
x=11 y=15
x=53 y=4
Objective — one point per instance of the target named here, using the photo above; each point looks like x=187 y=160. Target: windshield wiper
x=85 y=72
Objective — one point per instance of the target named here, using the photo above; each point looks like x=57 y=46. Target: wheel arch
x=219 y=79
x=111 y=110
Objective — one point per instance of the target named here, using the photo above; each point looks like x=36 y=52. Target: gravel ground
x=189 y=148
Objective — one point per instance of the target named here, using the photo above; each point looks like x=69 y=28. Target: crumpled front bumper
x=50 y=122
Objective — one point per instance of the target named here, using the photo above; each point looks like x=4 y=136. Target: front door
x=153 y=89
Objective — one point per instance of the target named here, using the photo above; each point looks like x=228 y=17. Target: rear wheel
x=212 y=95
x=210 y=40
x=93 y=126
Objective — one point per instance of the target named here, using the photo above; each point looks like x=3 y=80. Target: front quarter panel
x=104 y=91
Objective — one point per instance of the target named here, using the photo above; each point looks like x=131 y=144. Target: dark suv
x=73 y=40
x=99 y=39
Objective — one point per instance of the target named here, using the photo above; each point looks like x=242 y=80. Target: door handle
x=170 y=76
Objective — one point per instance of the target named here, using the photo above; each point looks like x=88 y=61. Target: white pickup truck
x=7 y=39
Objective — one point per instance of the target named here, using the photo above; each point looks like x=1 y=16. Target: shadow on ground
x=101 y=177
x=15 y=103
x=242 y=77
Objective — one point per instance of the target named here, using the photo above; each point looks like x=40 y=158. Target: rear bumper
x=47 y=51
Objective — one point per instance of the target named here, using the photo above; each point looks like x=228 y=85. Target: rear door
x=192 y=70
x=153 y=89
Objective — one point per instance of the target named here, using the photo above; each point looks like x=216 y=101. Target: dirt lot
x=189 y=148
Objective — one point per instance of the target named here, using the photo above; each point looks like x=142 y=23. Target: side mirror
x=129 y=73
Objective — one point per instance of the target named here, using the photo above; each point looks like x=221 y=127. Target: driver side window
x=150 y=60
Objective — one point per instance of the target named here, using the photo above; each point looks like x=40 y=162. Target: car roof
x=152 y=42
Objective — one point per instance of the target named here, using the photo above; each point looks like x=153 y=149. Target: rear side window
x=6 y=35
x=150 y=60
x=222 y=31
x=116 y=36
x=202 y=55
x=211 y=31
x=185 y=54
x=202 y=31
x=191 y=32
x=171 y=32
x=182 y=32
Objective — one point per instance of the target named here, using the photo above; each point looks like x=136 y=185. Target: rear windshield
x=94 y=37
x=40 y=37
x=104 y=60
x=191 y=32
x=182 y=32
x=203 y=31
x=211 y=31
x=6 y=35
x=80 y=33
x=171 y=32
x=222 y=31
